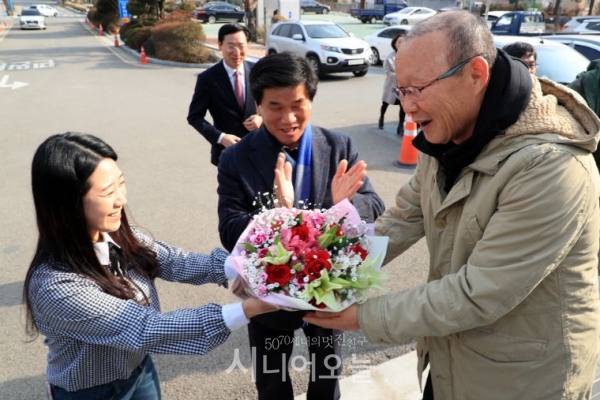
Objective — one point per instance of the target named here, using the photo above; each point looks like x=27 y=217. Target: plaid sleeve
x=177 y=265
x=70 y=306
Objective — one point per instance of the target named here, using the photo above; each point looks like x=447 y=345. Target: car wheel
x=56 y=14
x=404 y=22
x=364 y=20
x=374 y=56
x=212 y=19
x=360 y=73
x=373 y=20
x=316 y=65
x=325 y=11
x=302 y=11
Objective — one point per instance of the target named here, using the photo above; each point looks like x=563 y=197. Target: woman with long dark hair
x=90 y=287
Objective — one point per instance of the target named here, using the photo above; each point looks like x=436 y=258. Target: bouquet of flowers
x=310 y=259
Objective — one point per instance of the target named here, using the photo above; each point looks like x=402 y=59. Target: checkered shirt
x=95 y=338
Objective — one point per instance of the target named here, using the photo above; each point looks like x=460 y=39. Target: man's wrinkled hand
x=346 y=320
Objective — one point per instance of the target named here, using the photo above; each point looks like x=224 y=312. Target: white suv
x=328 y=47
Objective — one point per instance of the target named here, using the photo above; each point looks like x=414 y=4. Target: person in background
x=524 y=52
x=90 y=287
x=222 y=90
x=387 y=98
x=325 y=169
x=505 y=193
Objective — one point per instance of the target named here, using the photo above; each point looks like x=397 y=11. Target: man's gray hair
x=468 y=35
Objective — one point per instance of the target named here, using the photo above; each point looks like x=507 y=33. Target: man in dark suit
x=284 y=86
x=223 y=91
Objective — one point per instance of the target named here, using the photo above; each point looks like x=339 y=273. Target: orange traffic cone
x=92 y=25
x=143 y=59
x=408 y=152
x=100 y=30
x=116 y=41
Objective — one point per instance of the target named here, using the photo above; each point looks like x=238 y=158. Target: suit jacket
x=214 y=93
x=248 y=168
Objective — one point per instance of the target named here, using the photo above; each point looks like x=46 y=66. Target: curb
x=157 y=61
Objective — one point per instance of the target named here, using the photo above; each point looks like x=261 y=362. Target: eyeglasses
x=414 y=92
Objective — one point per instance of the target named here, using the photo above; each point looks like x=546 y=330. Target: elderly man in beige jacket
x=506 y=193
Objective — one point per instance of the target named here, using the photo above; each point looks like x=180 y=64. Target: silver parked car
x=31 y=18
x=328 y=47
x=555 y=61
x=588 y=45
x=381 y=41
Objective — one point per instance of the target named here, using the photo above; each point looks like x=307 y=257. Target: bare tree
x=250 y=8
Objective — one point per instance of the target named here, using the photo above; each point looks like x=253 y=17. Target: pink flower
x=258 y=238
x=262 y=252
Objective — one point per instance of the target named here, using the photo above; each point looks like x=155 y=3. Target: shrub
x=135 y=33
x=186 y=6
x=175 y=40
x=106 y=12
x=78 y=7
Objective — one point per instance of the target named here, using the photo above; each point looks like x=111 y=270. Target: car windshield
x=325 y=31
x=30 y=11
x=559 y=63
x=406 y=10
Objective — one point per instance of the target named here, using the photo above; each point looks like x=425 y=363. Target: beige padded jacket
x=511 y=309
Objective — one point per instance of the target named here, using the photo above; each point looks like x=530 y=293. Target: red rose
x=358 y=249
x=322 y=254
x=278 y=274
x=313 y=302
x=301 y=231
x=315 y=262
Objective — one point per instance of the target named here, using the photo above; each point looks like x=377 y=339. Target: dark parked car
x=218 y=11
x=313 y=6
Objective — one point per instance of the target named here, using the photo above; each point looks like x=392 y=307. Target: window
x=588 y=52
x=285 y=30
x=296 y=30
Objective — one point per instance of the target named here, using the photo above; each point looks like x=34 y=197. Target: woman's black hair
x=60 y=172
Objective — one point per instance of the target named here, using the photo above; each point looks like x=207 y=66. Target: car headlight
x=331 y=48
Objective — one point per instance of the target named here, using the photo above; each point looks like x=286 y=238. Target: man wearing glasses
x=223 y=91
x=506 y=194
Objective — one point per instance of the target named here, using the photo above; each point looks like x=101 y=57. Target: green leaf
x=281 y=257
x=250 y=248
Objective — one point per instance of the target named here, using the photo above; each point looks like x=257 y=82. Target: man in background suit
x=284 y=86
x=233 y=114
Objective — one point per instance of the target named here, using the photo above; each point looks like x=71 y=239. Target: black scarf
x=507 y=95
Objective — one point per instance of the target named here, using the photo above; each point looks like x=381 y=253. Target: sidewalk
x=3 y=11
x=393 y=380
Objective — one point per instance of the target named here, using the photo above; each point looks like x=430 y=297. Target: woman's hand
x=284 y=189
x=254 y=306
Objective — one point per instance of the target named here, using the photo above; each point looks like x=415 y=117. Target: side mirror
x=297 y=36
